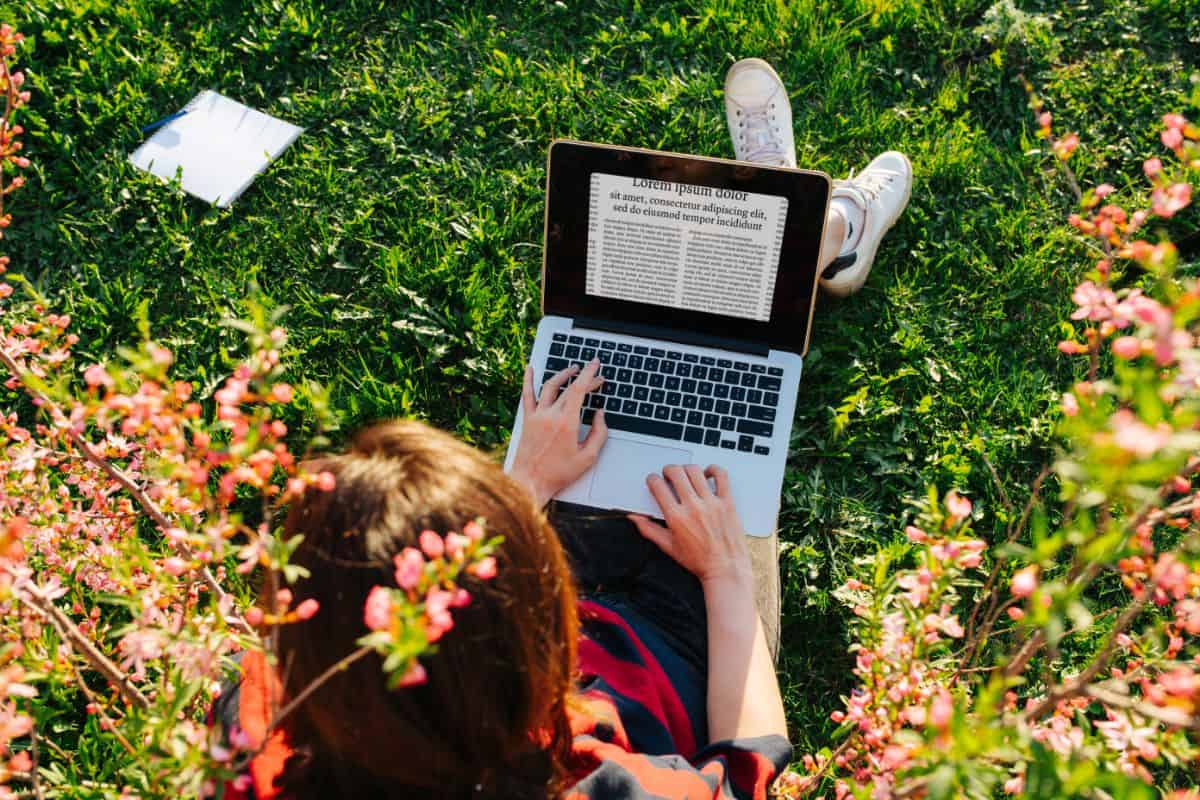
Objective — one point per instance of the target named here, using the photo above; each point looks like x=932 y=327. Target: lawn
x=402 y=231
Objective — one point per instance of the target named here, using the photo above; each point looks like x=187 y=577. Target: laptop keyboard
x=673 y=394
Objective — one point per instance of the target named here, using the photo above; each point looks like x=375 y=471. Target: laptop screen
x=719 y=248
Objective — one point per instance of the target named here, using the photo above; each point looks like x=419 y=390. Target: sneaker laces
x=765 y=146
x=869 y=184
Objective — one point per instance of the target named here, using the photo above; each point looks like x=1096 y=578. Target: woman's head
x=492 y=712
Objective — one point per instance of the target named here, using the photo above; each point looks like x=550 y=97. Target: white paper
x=219 y=145
x=685 y=246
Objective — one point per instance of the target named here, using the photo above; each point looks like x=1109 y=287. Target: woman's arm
x=550 y=456
x=704 y=535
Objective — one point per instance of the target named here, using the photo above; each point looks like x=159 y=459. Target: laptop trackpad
x=620 y=474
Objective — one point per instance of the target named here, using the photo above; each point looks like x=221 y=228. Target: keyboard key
x=587 y=354
x=727 y=444
x=733 y=376
x=711 y=420
x=608 y=388
x=700 y=373
x=672 y=382
x=725 y=363
x=606 y=345
x=758 y=369
x=658 y=396
x=662 y=412
x=704 y=389
x=770 y=399
x=666 y=367
x=592 y=342
x=748 y=379
x=706 y=404
x=658 y=352
x=753 y=396
x=605 y=356
x=721 y=390
x=689 y=401
x=613 y=404
x=650 y=365
x=742 y=365
x=678 y=415
x=556 y=364
x=737 y=393
x=587 y=415
x=609 y=373
x=641 y=349
x=641 y=393
x=656 y=379
x=762 y=450
x=715 y=375
x=728 y=423
x=625 y=390
x=645 y=410
x=693 y=435
x=674 y=356
x=651 y=427
x=695 y=418
x=635 y=362
x=557 y=348
x=674 y=398
x=770 y=384
x=576 y=340
x=596 y=401
x=560 y=337
x=762 y=413
x=620 y=359
x=691 y=358
x=722 y=407
x=712 y=438
x=624 y=375
x=739 y=410
x=746 y=444
x=683 y=370
x=628 y=407
x=624 y=348
x=754 y=427
x=640 y=378
x=688 y=385
x=707 y=360
x=776 y=371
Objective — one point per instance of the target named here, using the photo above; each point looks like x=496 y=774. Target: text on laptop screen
x=682 y=245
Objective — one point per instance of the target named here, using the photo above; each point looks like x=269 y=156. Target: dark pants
x=615 y=564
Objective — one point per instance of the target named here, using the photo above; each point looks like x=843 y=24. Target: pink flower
x=1070 y=405
x=432 y=544
x=1133 y=435
x=254 y=616
x=1044 y=119
x=1025 y=581
x=1176 y=121
x=96 y=375
x=437 y=613
x=307 y=609
x=377 y=613
x=957 y=506
x=1103 y=190
x=1127 y=347
x=1015 y=784
x=282 y=393
x=1016 y=614
x=410 y=565
x=941 y=711
x=415 y=676
x=916 y=535
x=5 y=290
x=952 y=628
x=1065 y=146
x=1152 y=167
x=1172 y=138
x=325 y=481
x=456 y=545
x=1165 y=202
x=484 y=569
x=473 y=531
x=1095 y=302
x=175 y=566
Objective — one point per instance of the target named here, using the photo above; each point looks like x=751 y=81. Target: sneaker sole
x=857 y=275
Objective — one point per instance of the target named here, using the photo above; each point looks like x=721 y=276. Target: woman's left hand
x=550 y=456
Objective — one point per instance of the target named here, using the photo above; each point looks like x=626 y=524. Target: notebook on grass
x=218 y=147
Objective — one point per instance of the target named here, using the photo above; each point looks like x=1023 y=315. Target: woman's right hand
x=703 y=531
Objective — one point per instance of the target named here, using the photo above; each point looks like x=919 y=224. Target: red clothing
x=633 y=737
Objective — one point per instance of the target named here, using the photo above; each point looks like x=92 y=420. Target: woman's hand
x=703 y=532
x=550 y=456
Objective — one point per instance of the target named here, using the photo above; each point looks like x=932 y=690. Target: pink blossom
x=325 y=481
x=1127 y=347
x=415 y=676
x=1172 y=138
x=1015 y=613
x=484 y=569
x=1015 y=784
x=473 y=531
x=410 y=565
x=377 y=613
x=431 y=544
x=1152 y=167
x=957 y=506
x=1133 y=435
x=254 y=616
x=456 y=545
x=96 y=375
x=941 y=711
x=437 y=613
x=1025 y=581
x=307 y=609
x=1103 y=190
x=175 y=566
x=1070 y=405
x=952 y=628
x=1065 y=147
x=1166 y=201
x=1044 y=119
x=1095 y=302
x=916 y=535
x=1176 y=121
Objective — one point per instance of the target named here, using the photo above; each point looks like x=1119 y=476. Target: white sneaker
x=880 y=192
x=759 y=114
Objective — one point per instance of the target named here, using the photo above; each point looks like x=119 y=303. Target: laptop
x=693 y=281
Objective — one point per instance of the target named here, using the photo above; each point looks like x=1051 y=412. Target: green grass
x=403 y=229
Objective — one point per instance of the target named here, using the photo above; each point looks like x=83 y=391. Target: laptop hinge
x=674 y=335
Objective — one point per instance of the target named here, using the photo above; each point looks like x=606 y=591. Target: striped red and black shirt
x=639 y=733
